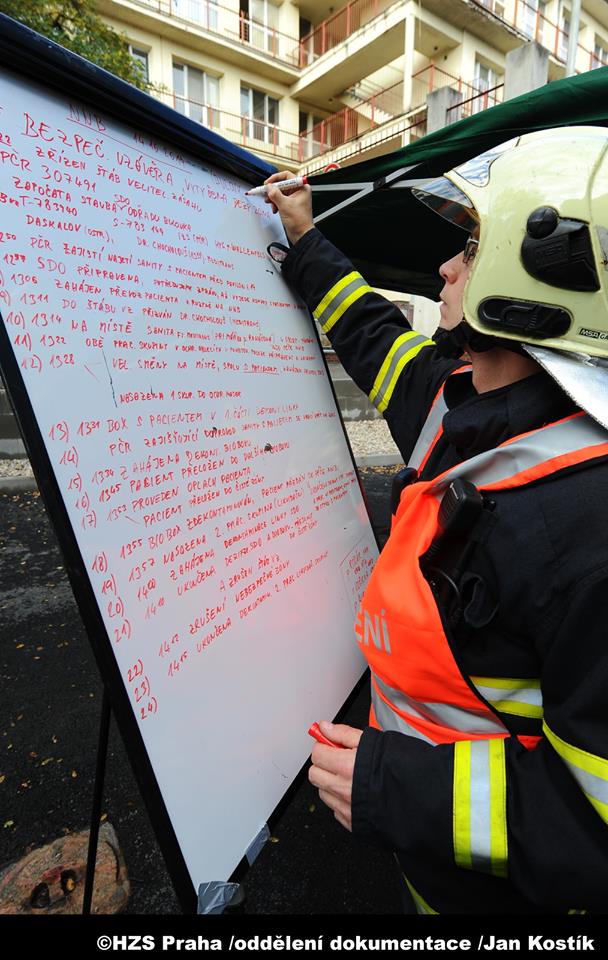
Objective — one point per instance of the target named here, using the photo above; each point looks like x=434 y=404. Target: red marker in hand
x=315 y=732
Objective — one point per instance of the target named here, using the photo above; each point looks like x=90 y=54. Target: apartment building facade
x=303 y=84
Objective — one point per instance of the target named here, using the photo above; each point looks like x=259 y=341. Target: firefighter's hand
x=332 y=769
x=294 y=208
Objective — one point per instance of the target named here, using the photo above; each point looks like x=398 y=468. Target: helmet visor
x=446 y=199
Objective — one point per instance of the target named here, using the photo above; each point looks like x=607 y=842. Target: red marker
x=315 y=732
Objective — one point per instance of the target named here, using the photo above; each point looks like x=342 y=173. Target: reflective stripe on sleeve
x=405 y=348
x=521 y=698
x=589 y=771
x=480 y=806
x=337 y=300
x=421 y=905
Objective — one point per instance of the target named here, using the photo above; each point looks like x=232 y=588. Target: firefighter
x=485 y=763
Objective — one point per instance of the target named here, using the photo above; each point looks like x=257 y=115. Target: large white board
x=185 y=408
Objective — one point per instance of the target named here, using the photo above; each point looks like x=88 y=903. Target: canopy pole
x=366 y=189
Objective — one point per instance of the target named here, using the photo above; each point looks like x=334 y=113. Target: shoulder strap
x=532 y=456
x=432 y=429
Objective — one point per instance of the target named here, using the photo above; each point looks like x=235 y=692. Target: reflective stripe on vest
x=339 y=298
x=480 y=806
x=471 y=722
x=521 y=698
x=432 y=428
x=420 y=675
x=403 y=350
x=589 y=771
x=530 y=456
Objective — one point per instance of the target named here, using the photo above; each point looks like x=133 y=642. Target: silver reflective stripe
x=387 y=719
x=404 y=349
x=428 y=432
x=531 y=450
x=588 y=769
x=481 y=843
x=480 y=806
x=466 y=721
x=334 y=304
x=521 y=698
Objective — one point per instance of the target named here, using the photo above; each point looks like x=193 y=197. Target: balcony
x=383 y=116
x=211 y=26
x=337 y=28
x=535 y=26
x=265 y=139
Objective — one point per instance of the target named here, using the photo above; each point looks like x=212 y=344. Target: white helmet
x=539 y=277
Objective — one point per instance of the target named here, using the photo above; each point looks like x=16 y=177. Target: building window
x=260 y=24
x=531 y=16
x=564 y=34
x=141 y=59
x=311 y=135
x=485 y=78
x=600 y=54
x=203 y=12
x=261 y=114
x=196 y=94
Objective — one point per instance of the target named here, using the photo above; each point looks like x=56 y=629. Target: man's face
x=454 y=273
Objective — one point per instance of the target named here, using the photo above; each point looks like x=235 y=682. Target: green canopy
x=393 y=239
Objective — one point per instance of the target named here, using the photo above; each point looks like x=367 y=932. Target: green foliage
x=75 y=25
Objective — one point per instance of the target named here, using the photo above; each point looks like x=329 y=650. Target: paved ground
x=50 y=702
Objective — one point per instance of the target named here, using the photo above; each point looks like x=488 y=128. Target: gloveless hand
x=332 y=769
x=294 y=207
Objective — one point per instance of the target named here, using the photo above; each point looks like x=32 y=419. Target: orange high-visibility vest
x=417 y=687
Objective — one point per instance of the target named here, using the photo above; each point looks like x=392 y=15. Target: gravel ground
x=15 y=468
x=370 y=437
x=367 y=438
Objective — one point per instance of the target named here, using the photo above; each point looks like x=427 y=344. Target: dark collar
x=479 y=421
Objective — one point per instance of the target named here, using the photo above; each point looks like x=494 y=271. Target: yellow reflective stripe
x=518 y=709
x=331 y=293
x=462 y=804
x=381 y=407
x=421 y=904
x=506 y=683
x=498 y=808
x=480 y=806
x=343 y=307
x=403 y=338
x=395 y=370
x=528 y=704
x=340 y=298
x=589 y=771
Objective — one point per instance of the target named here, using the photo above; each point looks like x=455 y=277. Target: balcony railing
x=416 y=128
x=481 y=100
x=229 y=24
x=352 y=122
x=249 y=132
x=534 y=25
x=432 y=78
x=340 y=26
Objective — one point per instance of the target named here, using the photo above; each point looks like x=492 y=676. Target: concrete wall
x=11 y=444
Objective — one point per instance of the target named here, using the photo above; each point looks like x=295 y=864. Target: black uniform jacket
x=535 y=606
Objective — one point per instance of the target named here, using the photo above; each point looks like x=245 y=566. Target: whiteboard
x=184 y=406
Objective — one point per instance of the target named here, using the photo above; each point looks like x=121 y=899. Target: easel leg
x=102 y=753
